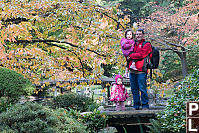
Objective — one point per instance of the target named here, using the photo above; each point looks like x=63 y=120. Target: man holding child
x=138 y=77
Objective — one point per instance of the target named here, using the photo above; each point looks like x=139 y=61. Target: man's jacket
x=141 y=53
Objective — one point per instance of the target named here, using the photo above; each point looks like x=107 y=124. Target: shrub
x=173 y=118
x=93 y=120
x=12 y=86
x=33 y=117
x=73 y=101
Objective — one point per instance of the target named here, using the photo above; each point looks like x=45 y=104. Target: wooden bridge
x=134 y=121
x=129 y=119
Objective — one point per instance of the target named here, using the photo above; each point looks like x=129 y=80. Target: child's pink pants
x=120 y=106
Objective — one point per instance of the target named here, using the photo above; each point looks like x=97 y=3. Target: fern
x=155 y=127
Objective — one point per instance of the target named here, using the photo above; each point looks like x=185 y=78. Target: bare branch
x=162 y=43
x=173 y=44
x=15 y=20
x=110 y=17
x=166 y=45
x=195 y=28
x=111 y=37
x=186 y=21
x=55 y=41
x=167 y=42
x=165 y=49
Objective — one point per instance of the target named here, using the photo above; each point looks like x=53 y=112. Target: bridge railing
x=104 y=82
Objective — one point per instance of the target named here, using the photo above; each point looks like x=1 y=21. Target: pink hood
x=118 y=76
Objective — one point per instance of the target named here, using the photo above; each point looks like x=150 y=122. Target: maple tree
x=49 y=38
x=174 y=28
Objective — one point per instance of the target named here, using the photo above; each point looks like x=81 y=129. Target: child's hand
x=126 y=75
x=128 y=58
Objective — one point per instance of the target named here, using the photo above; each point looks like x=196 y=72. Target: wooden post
x=55 y=92
x=61 y=90
x=103 y=85
x=108 y=92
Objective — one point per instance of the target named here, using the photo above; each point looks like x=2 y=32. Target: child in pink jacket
x=127 y=46
x=119 y=93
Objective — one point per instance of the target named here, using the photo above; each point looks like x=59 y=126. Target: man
x=138 y=77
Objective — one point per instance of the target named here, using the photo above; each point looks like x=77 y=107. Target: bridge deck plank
x=131 y=117
x=133 y=112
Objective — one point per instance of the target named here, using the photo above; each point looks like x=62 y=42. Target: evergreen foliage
x=73 y=101
x=34 y=118
x=93 y=120
x=12 y=86
x=173 y=118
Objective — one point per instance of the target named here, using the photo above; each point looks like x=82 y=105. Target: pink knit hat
x=118 y=76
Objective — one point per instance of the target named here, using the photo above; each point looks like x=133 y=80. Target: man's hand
x=128 y=58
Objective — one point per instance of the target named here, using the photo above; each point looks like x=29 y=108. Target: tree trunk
x=183 y=59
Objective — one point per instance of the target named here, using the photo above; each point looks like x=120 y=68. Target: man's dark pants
x=138 y=83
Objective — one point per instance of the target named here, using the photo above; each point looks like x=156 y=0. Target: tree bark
x=183 y=59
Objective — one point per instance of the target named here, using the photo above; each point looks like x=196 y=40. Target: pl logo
x=192 y=117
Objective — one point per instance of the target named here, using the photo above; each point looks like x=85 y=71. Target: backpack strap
x=148 y=57
x=151 y=71
x=144 y=43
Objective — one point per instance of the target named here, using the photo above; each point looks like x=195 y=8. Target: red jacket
x=139 y=53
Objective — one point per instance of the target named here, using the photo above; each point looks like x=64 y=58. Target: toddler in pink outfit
x=119 y=93
x=127 y=46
